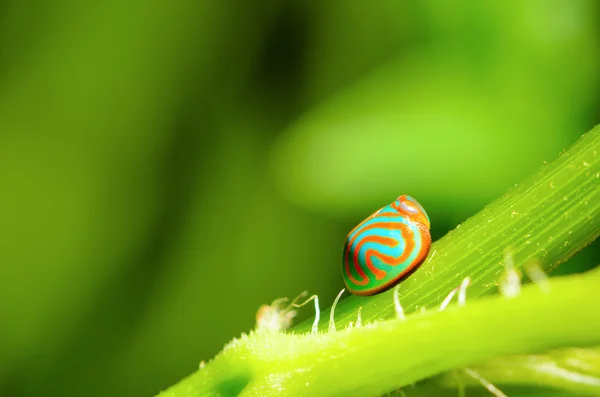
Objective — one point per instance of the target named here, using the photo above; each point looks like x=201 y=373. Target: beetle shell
x=385 y=247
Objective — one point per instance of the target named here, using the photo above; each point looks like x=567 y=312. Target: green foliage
x=575 y=370
x=458 y=107
x=550 y=216
x=547 y=218
x=167 y=167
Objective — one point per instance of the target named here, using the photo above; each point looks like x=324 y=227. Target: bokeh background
x=168 y=166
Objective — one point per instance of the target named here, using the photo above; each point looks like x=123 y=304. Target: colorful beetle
x=386 y=246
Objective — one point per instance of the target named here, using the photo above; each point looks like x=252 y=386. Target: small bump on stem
x=536 y=274
x=397 y=307
x=448 y=299
x=510 y=285
x=315 y=326
x=462 y=291
x=332 y=313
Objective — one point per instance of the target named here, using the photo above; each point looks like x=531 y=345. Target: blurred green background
x=167 y=167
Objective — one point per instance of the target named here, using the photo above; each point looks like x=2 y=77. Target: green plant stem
x=549 y=217
x=349 y=362
x=574 y=369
